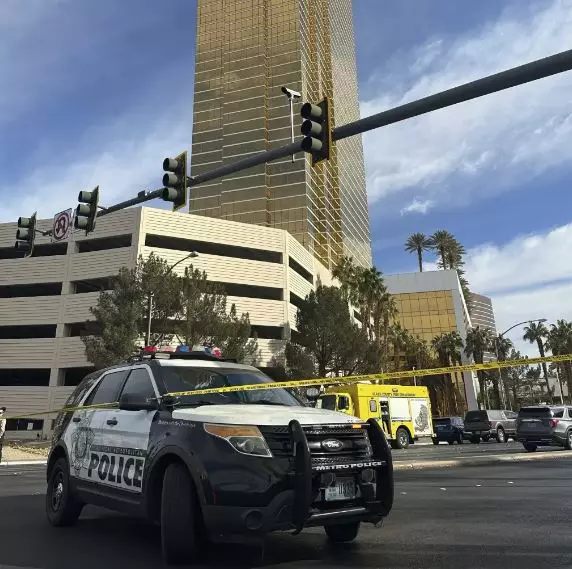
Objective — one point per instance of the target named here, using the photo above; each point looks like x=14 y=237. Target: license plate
x=342 y=490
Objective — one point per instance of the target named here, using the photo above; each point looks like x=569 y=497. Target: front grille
x=355 y=443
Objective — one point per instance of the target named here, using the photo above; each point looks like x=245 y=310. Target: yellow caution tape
x=344 y=380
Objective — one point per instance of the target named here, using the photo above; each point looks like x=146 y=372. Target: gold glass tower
x=246 y=51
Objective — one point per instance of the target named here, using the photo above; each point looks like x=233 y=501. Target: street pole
x=149 y=318
x=292 y=122
x=191 y=255
x=559 y=384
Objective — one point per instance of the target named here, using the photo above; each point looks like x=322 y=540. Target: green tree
x=329 y=337
x=448 y=347
x=503 y=347
x=536 y=332
x=188 y=307
x=559 y=342
x=441 y=242
x=479 y=340
x=418 y=243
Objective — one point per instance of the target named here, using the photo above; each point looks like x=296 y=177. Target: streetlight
x=499 y=337
x=292 y=96
x=191 y=255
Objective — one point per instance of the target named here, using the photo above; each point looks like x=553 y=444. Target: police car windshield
x=187 y=378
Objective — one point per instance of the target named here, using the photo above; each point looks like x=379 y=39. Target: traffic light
x=86 y=211
x=26 y=234
x=175 y=181
x=317 y=131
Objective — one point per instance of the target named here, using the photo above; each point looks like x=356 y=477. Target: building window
x=24 y=377
x=250 y=291
x=74 y=375
x=298 y=268
x=92 y=285
x=296 y=300
x=88 y=328
x=24 y=424
x=42 y=250
x=104 y=243
x=27 y=290
x=267 y=332
x=208 y=248
x=34 y=331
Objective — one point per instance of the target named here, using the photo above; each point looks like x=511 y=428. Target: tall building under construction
x=246 y=51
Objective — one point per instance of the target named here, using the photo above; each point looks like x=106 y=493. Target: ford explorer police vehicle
x=216 y=466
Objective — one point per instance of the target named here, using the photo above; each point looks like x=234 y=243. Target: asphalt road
x=511 y=517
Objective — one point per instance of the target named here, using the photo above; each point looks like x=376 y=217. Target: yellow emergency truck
x=403 y=411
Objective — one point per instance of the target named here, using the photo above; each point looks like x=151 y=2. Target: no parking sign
x=62 y=225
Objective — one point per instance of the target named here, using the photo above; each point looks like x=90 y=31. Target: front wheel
x=435 y=441
x=342 y=533
x=486 y=438
x=62 y=507
x=180 y=536
x=476 y=440
x=501 y=436
x=530 y=447
x=401 y=438
x=568 y=445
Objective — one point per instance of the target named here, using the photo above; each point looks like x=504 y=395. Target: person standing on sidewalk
x=2 y=429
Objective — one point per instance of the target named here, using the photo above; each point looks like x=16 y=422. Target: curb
x=40 y=462
x=482 y=461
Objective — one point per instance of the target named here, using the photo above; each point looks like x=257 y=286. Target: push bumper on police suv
x=321 y=475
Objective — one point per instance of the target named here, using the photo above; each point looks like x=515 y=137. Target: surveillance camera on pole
x=175 y=181
x=26 y=235
x=86 y=211
x=317 y=130
x=292 y=96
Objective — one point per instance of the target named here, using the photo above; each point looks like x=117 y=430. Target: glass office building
x=246 y=50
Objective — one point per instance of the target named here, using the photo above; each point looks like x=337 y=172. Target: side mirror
x=134 y=402
x=312 y=393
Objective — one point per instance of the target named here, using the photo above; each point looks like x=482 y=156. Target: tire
x=460 y=438
x=476 y=440
x=180 y=517
x=568 y=445
x=451 y=442
x=501 y=436
x=401 y=438
x=486 y=438
x=435 y=441
x=529 y=447
x=342 y=533
x=62 y=507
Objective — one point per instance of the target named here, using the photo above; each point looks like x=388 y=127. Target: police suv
x=217 y=466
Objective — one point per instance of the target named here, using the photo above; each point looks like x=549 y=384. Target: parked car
x=544 y=425
x=448 y=429
x=487 y=424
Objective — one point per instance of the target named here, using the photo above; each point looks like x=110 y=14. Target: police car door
x=125 y=436
x=84 y=432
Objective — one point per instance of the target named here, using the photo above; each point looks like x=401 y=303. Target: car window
x=80 y=391
x=510 y=414
x=139 y=383
x=476 y=416
x=558 y=413
x=534 y=412
x=107 y=391
x=372 y=406
x=443 y=421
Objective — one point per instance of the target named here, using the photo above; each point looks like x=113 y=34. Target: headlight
x=243 y=439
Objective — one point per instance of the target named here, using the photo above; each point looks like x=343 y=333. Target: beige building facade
x=45 y=299
x=246 y=50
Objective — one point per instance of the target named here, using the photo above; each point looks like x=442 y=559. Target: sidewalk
x=17 y=455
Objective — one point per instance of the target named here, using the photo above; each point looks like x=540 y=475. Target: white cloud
x=527 y=278
x=513 y=134
x=418 y=206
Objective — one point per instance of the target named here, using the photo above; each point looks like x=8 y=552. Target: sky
x=99 y=92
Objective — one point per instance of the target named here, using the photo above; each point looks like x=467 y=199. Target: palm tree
x=385 y=312
x=448 y=347
x=441 y=242
x=503 y=347
x=399 y=339
x=417 y=243
x=368 y=289
x=559 y=342
x=479 y=340
x=537 y=332
x=345 y=272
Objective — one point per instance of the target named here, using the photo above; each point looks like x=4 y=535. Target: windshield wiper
x=201 y=402
x=266 y=402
